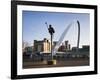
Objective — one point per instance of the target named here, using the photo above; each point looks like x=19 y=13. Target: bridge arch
x=63 y=35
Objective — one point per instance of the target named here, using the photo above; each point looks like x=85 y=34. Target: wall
x=5 y=29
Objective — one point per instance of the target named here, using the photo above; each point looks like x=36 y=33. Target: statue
x=51 y=30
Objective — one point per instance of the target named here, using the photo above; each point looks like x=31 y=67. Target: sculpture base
x=51 y=62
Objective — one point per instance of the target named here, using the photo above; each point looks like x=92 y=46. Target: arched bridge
x=64 y=34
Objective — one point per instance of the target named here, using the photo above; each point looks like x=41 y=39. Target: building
x=42 y=46
x=45 y=46
x=24 y=45
x=83 y=49
x=29 y=49
x=68 y=46
x=81 y=52
x=74 y=49
x=64 y=47
x=86 y=47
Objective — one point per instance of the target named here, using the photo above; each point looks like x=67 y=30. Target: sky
x=34 y=27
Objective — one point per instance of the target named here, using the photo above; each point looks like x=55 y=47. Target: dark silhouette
x=51 y=29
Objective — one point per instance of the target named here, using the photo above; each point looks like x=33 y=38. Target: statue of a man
x=51 y=29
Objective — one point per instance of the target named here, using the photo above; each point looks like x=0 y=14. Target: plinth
x=51 y=62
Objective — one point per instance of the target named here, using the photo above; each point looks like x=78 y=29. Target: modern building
x=81 y=52
x=86 y=47
x=42 y=46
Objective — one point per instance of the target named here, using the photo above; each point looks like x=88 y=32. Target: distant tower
x=69 y=46
x=66 y=44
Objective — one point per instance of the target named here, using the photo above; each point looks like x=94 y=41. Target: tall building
x=66 y=43
x=42 y=46
x=68 y=46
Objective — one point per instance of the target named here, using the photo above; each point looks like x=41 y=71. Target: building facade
x=42 y=46
x=64 y=47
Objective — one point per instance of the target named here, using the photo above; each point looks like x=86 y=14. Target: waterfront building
x=42 y=46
